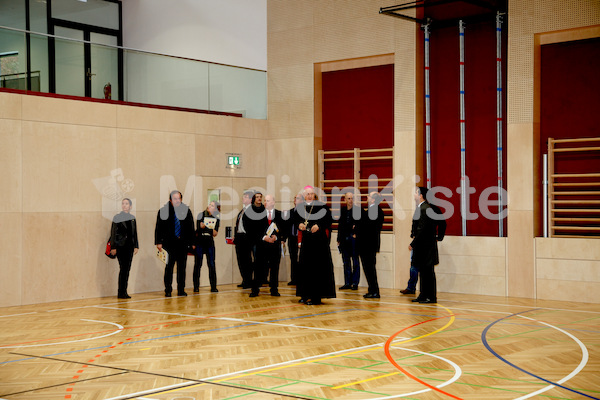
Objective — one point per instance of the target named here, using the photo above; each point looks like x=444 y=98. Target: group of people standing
x=307 y=229
x=176 y=234
x=260 y=231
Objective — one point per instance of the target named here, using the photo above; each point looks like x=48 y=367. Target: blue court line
x=488 y=347
x=181 y=334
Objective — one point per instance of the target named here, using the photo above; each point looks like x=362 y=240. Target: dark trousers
x=210 y=260
x=243 y=252
x=293 y=249
x=177 y=255
x=428 y=282
x=124 y=255
x=350 y=260
x=267 y=262
x=369 y=259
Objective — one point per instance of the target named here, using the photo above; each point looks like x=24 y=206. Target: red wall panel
x=480 y=115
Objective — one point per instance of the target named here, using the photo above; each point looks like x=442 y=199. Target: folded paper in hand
x=210 y=222
x=162 y=255
x=272 y=228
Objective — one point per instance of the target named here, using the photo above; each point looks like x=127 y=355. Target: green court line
x=374 y=364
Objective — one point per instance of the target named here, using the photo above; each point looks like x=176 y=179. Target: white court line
x=245 y=321
x=246 y=371
x=120 y=328
x=17 y=315
x=208 y=380
x=584 y=360
x=517 y=305
x=457 y=374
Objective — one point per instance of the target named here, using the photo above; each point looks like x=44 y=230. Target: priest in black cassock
x=315 y=280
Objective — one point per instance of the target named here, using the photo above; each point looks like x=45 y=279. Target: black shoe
x=214 y=290
x=124 y=296
x=196 y=290
x=417 y=300
x=313 y=303
x=354 y=287
x=291 y=283
x=427 y=301
x=275 y=293
x=167 y=294
x=406 y=291
x=183 y=294
x=372 y=296
x=254 y=294
x=345 y=287
x=240 y=285
x=302 y=300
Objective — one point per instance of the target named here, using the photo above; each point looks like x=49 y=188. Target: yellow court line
x=450 y=322
x=366 y=380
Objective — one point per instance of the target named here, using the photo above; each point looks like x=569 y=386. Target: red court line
x=405 y=372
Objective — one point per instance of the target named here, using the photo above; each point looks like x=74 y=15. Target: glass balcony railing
x=91 y=69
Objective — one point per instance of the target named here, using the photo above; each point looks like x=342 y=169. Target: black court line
x=192 y=381
x=59 y=385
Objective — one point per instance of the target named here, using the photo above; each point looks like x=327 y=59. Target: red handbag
x=107 y=252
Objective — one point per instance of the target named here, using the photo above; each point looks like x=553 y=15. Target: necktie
x=270 y=216
x=177 y=227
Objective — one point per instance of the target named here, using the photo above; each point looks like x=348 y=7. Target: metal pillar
x=463 y=175
x=545 y=192
x=499 y=119
x=427 y=108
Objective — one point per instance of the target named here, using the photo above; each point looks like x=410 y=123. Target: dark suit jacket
x=260 y=227
x=244 y=220
x=164 y=233
x=369 y=229
x=123 y=231
x=424 y=243
x=348 y=222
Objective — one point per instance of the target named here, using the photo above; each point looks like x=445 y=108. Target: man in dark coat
x=175 y=233
x=315 y=275
x=440 y=229
x=347 y=243
x=292 y=237
x=424 y=247
x=243 y=245
x=269 y=231
x=369 y=242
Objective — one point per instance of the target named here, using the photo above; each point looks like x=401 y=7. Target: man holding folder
x=269 y=230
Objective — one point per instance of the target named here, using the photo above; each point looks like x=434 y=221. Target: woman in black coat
x=124 y=244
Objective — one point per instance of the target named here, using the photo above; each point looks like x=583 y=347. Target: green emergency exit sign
x=234 y=160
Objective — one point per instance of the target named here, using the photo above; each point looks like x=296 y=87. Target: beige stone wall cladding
x=308 y=33
x=57 y=155
x=57 y=159
x=528 y=273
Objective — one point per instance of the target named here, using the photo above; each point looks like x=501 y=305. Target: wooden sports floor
x=228 y=346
